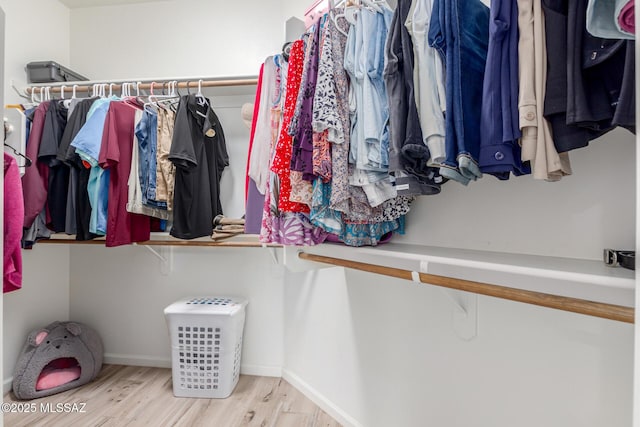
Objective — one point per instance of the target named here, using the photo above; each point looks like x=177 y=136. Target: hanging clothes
x=143 y=198
x=282 y=156
x=58 y=182
x=500 y=153
x=199 y=152
x=302 y=151
x=428 y=81
x=35 y=179
x=601 y=77
x=13 y=220
x=77 y=221
x=116 y=150
x=590 y=83
x=165 y=170
x=254 y=199
x=409 y=157
x=88 y=144
x=461 y=35
x=603 y=19
x=138 y=182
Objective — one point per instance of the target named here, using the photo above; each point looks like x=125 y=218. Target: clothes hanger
x=65 y=102
x=124 y=87
x=201 y=99
x=27 y=161
x=33 y=96
x=341 y=13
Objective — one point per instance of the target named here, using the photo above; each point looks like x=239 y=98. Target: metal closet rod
x=146 y=85
x=574 y=305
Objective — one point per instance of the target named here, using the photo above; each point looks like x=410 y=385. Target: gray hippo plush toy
x=56 y=358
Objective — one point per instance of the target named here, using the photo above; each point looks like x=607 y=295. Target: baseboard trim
x=262 y=371
x=161 y=362
x=136 y=360
x=6 y=385
x=325 y=404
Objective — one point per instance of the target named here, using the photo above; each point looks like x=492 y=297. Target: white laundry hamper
x=206 y=345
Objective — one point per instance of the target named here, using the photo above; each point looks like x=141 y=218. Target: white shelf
x=577 y=278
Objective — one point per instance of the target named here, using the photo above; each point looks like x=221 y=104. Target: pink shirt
x=13 y=218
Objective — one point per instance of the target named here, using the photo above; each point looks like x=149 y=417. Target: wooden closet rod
x=157 y=85
x=575 y=305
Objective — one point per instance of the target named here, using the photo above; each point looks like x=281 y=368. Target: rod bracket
x=464 y=316
x=164 y=254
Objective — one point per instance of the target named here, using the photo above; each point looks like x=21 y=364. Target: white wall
x=380 y=351
x=122 y=294
x=174 y=38
x=36 y=30
x=575 y=218
x=180 y=39
x=383 y=352
x=44 y=298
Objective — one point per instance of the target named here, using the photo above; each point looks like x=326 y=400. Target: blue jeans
x=147 y=134
x=459 y=30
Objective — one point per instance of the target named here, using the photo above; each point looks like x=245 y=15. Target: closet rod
x=575 y=305
x=184 y=243
x=157 y=85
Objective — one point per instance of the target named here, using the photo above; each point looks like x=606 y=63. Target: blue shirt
x=500 y=152
x=87 y=143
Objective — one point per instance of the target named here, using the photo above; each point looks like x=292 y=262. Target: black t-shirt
x=79 y=174
x=199 y=152
x=54 y=124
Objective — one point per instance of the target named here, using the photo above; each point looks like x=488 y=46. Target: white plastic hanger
x=201 y=99
x=73 y=93
x=33 y=96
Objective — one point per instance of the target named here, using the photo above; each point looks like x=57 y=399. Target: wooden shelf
x=164 y=239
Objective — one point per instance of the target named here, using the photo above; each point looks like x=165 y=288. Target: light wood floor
x=139 y=396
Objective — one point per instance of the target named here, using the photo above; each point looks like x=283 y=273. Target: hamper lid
x=207 y=305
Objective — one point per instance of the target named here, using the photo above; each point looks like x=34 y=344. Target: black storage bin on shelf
x=50 y=71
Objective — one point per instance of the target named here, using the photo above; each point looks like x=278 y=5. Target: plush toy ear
x=35 y=338
x=74 y=328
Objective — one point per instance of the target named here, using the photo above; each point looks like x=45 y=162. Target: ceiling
x=74 y=4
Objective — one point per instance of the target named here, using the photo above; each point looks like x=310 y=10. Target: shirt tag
x=210 y=133
x=401 y=187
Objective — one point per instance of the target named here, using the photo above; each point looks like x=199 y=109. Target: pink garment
x=627 y=17
x=254 y=119
x=13 y=219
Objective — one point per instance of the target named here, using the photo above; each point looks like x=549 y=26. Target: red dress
x=282 y=159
